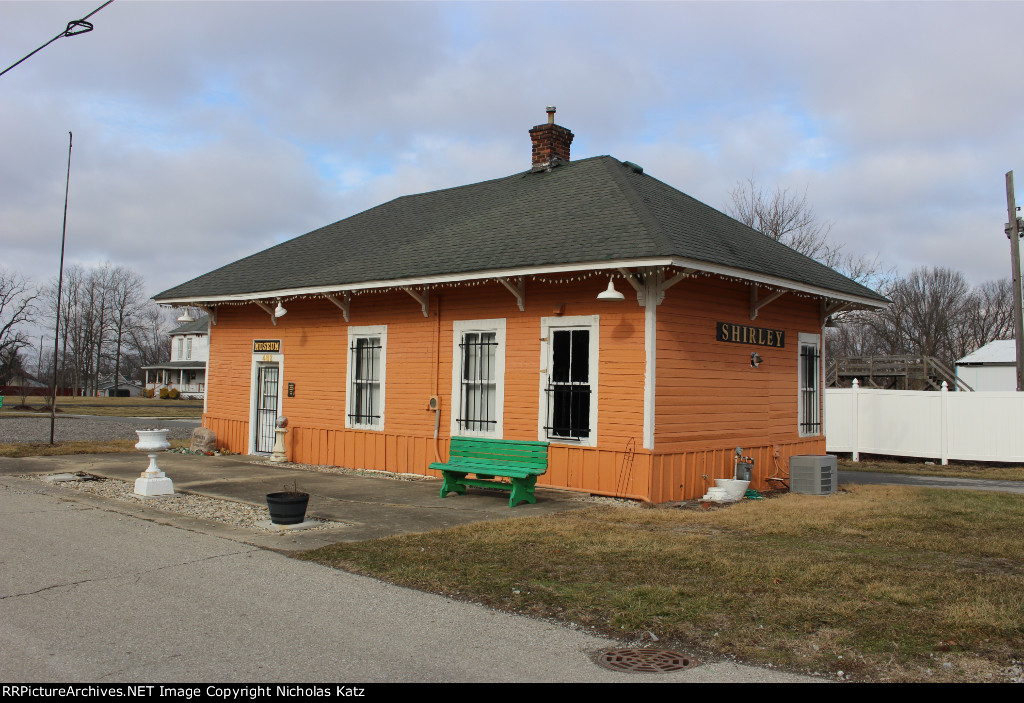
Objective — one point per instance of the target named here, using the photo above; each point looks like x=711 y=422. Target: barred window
x=478 y=377
x=809 y=402
x=366 y=378
x=569 y=399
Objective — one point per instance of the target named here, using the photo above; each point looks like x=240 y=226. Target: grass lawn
x=15 y=451
x=120 y=407
x=883 y=583
x=918 y=467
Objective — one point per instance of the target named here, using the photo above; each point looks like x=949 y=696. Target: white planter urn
x=153 y=481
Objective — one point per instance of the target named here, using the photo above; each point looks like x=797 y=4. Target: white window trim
x=178 y=348
x=353 y=334
x=547 y=324
x=804 y=338
x=459 y=328
x=257 y=361
x=188 y=349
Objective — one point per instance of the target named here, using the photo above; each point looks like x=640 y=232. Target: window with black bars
x=810 y=408
x=568 y=389
x=477 y=412
x=364 y=406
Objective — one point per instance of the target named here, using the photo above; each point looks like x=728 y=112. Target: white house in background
x=993 y=367
x=124 y=387
x=186 y=371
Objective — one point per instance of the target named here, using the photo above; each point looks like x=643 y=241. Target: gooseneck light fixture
x=279 y=311
x=610 y=293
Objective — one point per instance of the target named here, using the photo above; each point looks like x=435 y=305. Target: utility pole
x=60 y=283
x=1014 y=230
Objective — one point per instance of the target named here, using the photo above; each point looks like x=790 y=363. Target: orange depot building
x=641 y=333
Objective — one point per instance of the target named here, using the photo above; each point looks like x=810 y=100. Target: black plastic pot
x=287 y=508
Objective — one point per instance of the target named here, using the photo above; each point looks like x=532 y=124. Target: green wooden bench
x=489 y=459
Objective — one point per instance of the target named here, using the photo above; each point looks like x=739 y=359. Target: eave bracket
x=211 y=311
x=518 y=289
x=344 y=304
x=756 y=304
x=423 y=298
x=658 y=284
x=269 y=310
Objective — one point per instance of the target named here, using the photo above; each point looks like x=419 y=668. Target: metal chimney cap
x=550 y=108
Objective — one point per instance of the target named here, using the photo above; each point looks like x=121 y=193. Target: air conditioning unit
x=813 y=474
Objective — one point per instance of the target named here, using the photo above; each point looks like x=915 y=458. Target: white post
x=279 y=454
x=944 y=431
x=856 y=420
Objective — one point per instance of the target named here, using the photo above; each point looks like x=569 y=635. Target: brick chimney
x=550 y=143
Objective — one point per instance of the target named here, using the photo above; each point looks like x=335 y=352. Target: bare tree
x=927 y=306
x=97 y=307
x=785 y=217
x=790 y=219
x=934 y=312
x=108 y=327
x=17 y=308
x=69 y=333
x=126 y=303
x=988 y=316
x=148 y=338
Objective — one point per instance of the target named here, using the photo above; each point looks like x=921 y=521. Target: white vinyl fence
x=981 y=426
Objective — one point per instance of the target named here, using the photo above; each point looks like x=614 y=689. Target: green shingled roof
x=586 y=211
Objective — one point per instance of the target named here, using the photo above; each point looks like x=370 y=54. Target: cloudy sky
x=206 y=131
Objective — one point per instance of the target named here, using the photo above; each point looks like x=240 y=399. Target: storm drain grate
x=651 y=661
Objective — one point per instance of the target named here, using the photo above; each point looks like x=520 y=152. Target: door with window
x=267 y=398
x=569 y=403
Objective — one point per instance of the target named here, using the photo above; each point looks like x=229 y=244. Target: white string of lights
x=666 y=271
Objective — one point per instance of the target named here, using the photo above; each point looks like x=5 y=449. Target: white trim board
x=692 y=264
x=460 y=327
x=547 y=324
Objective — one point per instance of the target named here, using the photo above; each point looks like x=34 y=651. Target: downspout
x=650 y=304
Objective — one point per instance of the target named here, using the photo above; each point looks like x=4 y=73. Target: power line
x=74 y=28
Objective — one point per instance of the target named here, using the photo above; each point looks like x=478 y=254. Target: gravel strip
x=228 y=512
x=86 y=428
x=324 y=469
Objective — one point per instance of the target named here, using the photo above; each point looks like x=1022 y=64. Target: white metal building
x=990 y=368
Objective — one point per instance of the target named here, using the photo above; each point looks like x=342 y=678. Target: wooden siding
x=314 y=341
x=708 y=395
x=680 y=475
x=708 y=399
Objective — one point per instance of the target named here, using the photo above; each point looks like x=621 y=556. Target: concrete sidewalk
x=89 y=595
x=368 y=506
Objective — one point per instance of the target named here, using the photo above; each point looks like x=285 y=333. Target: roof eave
x=687 y=264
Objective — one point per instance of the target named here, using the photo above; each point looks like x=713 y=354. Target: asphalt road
x=71 y=428
x=967 y=484
x=88 y=594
